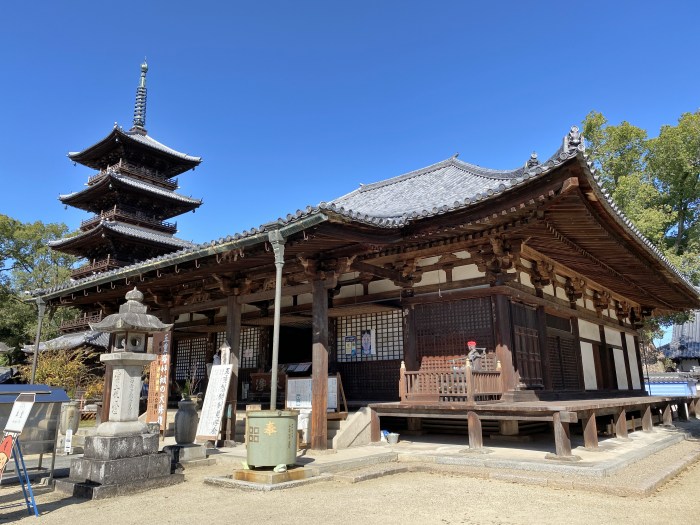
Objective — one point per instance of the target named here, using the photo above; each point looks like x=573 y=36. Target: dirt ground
x=417 y=497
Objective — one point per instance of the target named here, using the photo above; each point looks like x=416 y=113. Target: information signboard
x=299 y=392
x=159 y=380
x=214 y=403
x=20 y=412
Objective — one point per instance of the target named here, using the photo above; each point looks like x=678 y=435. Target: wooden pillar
x=647 y=422
x=682 y=411
x=233 y=338
x=504 y=343
x=590 y=431
x=562 y=439
x=476 y=440
x=544 y=353
x=621 y=424
x=319 y=383
x=508 y=427
x=628 y=364
x=410 y=356
x=693 y=407
x=667 y=416
x=374 y=431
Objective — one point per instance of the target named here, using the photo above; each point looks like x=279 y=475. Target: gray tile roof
x=450 y=183
x=74 y=340
x=435 y=190
x=132 y=231
x=685 y=340
x=151 y=188
x=147 y=141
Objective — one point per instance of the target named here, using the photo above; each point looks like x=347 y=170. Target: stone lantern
x=123 y=456
x=130 y=328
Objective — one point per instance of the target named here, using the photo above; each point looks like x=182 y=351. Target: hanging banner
x=159 y=380
x=214 y=403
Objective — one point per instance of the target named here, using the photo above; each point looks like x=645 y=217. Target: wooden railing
x=137 y=171
x=133 y=217
x=449 y=384
x=97 y=266
x=81 y=322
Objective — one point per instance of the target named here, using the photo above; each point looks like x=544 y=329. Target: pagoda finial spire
x=140 y=106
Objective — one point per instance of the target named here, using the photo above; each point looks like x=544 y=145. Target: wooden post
x=590 y=431
x=409 y=338
x=647 y=422
x=667 y=416
x=233 y=337
x=682 y=411
x=402 y=381
x=693 y=407
x=476 y=440
x=504 y=343
x=374 y=431
x=470 y=382
x=621 y=424
x=562 y=439
x=319 y=383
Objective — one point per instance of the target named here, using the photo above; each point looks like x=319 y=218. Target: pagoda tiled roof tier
x=557 y=209
x=137 y=147
x=138 y=243
x=115 y=188
x=685 y=339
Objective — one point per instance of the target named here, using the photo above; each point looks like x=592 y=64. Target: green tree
x=27 y=263
x=674 y=162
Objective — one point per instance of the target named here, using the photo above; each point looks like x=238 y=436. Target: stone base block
x=95 y=491
x=119 y=471
x=180 y=453
x=119 y=447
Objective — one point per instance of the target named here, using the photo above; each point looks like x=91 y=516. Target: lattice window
x=190 y=359
x=250 y=347
x=444 y=328
x=382 y=334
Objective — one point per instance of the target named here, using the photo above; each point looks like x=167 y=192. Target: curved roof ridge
x=126 y=179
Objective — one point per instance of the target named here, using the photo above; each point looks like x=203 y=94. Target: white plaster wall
x=352 y=290
x=287 y=300
x=525 y=280
x=182 y=318
x=198 y=317
x=468 y=271
x=587 y=330
x=634 y=368
x=548 y=290
x=305 y=298
x=581 y=302
x=383 y=286
x=612 y=336
x=561 y=293
x=348 y=276
x=619 y=357
x=589 y=379
x=462 y=254
x=245 y=308
x=428 y=261
x=434 y=277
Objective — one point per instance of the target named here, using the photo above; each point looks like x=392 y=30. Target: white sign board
x=214 y=402
x=299 y=392
x=68 y=447
x=20 y=413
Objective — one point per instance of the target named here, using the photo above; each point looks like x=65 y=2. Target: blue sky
x=291 y=103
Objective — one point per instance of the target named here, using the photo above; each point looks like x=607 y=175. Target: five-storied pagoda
x=132 y=196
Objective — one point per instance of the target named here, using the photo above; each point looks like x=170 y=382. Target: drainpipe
x=277 y=241
x=41 y=308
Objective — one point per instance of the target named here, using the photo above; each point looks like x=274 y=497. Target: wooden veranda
x=624 y=412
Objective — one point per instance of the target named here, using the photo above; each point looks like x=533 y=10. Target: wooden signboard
x=159 y=380
x=214 y=403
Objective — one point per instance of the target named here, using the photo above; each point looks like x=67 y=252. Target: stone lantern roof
x=132 y=317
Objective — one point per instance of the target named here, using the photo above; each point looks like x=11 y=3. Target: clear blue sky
x=291 y=103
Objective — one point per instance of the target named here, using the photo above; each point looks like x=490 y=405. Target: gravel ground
x=445 y=495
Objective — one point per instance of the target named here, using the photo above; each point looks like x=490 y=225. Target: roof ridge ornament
x=574 y=140
x=140 y=105
x=532 y=161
